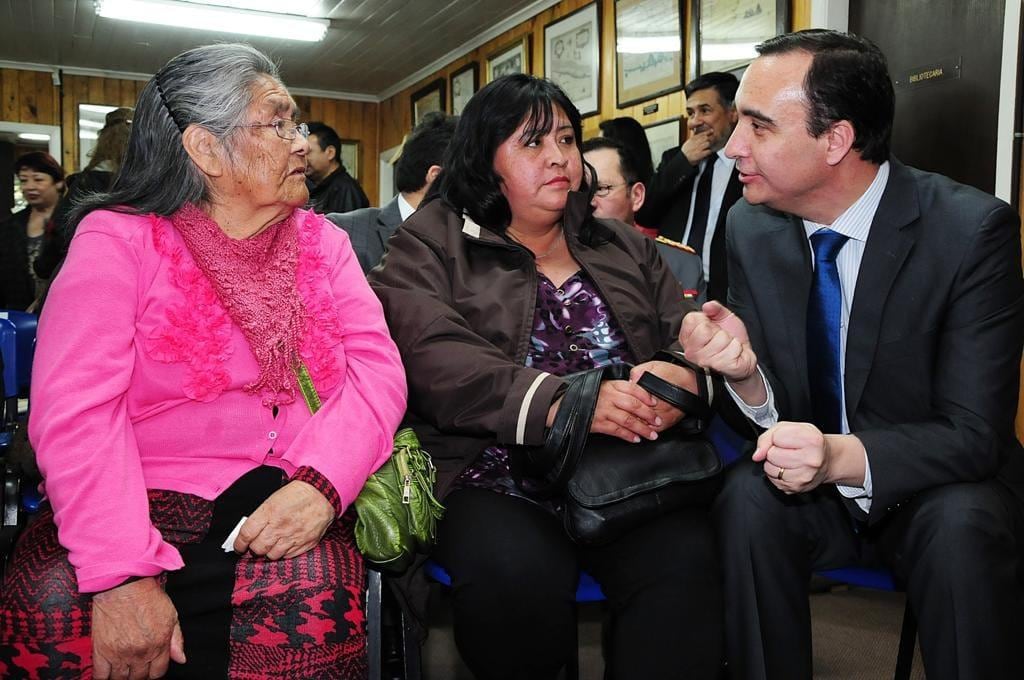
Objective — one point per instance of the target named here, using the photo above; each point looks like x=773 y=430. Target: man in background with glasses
x=619 y=194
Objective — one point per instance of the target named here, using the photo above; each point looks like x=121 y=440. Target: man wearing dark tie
x=875 y=332
x=696 y=184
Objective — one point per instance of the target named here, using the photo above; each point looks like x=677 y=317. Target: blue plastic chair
x=881 y=579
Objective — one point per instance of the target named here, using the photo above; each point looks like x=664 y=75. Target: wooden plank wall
x=31 y=97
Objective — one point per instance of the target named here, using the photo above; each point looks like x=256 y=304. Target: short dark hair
x=468 y=182
x=40 y=161
x=631 y=134
x=326 y=136
x=425 y=147
x=848 y=80
x=725 y=84
x=627 y=162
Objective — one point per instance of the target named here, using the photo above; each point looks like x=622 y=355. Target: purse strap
x=306 y=385
x=567 y=437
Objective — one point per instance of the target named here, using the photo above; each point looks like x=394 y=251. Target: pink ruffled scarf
x=254 y=279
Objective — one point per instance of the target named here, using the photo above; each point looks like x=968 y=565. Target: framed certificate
x=648 y=50
x=572 y=57
x=514 y=58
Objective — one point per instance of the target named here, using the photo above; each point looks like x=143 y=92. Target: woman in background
x=492 y=292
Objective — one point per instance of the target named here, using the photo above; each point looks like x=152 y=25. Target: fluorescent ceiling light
x=302 y=7
x=648 y=44
x=96 y=108
x=728 y=51
x=211 y=18
x=34 y=136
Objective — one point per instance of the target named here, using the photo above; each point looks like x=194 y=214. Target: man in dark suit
x=876 y=330
x=418 y=165
x=695 y=184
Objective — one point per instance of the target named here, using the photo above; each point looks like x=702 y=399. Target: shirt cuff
x=765 y=415
x=861 y=495
x=316 y=480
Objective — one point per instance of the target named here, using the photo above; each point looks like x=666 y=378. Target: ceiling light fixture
x=212 y=18
x=34 y=136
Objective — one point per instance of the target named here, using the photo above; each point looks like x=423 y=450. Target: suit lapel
x=785 y=276
x=388 y=220
x=889 y=242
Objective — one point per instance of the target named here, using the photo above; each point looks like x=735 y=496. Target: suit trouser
x=956 y=548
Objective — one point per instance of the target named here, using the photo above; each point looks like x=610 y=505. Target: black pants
x=955 y=547
x=514 y=574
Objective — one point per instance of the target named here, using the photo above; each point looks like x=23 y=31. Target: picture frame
x=723 y=33
x=648 y=49
x=428 y=98
x=463 y=85
x=662 y=136
x=512 y=58
x=572 y=57
x=348 y=155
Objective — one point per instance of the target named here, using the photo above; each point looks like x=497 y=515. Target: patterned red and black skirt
x=243 y=617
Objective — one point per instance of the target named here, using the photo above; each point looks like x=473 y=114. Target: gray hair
x=210 y=86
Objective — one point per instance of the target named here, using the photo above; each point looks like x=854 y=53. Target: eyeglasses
x=605 y=189
x=285 y=129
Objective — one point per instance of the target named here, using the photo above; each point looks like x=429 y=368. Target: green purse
x=396 y=512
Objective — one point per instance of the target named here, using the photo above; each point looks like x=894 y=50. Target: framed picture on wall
x=350 y=156
x=572 y=57
x=648 y=50
x=724 y=32
x=662 y=136
x=427 y=99
x=514 y=58
x=464 y=83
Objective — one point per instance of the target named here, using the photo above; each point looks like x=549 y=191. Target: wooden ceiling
x=371 y=47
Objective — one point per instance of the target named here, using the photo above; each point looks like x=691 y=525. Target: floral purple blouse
x=573 y=331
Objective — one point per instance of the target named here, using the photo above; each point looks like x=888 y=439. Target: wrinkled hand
x=800 y=451
x=679 y=376
x=716 y=339
x=698 y=145
x=135 y=632
x=291 y=521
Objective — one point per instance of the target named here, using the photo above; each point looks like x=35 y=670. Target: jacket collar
x=574 y=217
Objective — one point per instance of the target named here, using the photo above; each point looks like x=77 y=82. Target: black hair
x=210 y=86
x=848 y=80
x=468 y=182
x=725 y=84
x=425 y=147
x=627 y=162
x=326 y=137
x=40 y=161
x=631 y=134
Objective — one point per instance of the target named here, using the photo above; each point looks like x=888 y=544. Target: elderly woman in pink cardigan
x=197 y=510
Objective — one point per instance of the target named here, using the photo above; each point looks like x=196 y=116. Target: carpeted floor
x=856 y=633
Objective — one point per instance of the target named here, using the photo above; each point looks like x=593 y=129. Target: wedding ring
x=781 y=471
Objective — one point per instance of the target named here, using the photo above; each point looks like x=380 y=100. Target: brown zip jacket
x=459 y=299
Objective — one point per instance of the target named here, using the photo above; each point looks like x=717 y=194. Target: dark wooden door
x=944 y=57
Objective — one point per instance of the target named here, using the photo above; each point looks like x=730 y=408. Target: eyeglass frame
x=603 y=190
x=296 y=128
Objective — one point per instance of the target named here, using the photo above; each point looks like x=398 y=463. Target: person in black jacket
x=331 y=188
x=24 y=235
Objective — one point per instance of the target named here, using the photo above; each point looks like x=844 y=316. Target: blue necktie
x=824 y=316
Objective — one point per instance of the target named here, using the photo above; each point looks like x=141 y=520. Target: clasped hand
x=631 y=413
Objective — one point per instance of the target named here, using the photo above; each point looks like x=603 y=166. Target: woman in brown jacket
x=492 y=291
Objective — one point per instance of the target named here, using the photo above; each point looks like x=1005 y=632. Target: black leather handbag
x=606 y=486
